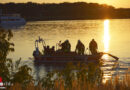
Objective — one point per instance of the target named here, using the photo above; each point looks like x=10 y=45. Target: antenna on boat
x=43 y=42
x=39 y=40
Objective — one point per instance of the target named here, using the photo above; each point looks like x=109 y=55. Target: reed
x=78 y=80
x=60 y=85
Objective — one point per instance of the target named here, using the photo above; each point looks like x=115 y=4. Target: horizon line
x=64 y=2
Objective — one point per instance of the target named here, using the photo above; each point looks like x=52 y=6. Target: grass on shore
x=67 y=80
x=59 y=85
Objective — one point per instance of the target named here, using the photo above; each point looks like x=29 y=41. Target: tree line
x=65 y=11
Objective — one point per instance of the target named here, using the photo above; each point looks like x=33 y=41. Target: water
x=111 y=35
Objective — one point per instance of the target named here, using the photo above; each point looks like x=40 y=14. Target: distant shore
x=65 y=11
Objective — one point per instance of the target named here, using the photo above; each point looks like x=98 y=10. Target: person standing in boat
x=93 y=47
x=52 y=50
x=66 y=46
x=80 y=48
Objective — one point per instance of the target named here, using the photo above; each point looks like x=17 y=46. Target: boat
x=11 y=20
x=67 y=58
x=59 y=56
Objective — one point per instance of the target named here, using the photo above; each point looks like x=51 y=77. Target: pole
x=115 y=57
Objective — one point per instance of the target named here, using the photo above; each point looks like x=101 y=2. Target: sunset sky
x=115 y=3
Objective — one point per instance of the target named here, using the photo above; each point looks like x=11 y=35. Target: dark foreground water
x=111 y=35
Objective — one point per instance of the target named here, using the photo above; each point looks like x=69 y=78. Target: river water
x=112 y=36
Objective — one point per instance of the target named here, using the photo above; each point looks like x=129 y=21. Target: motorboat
x=11 y=20
x=58 y=56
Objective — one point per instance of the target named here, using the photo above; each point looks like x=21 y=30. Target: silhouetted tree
x=53 y=11
x=9 y=71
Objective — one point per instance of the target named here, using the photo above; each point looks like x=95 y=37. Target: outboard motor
x=36 y=52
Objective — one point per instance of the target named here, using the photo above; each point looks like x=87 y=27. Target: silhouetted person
x=47 y=50
x=52 y=50
x=65 y=46
x=59 y=45
x=93 y=47
x=80 y=48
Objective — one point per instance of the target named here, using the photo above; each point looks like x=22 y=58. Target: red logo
x=0 y=79
x=1 y=83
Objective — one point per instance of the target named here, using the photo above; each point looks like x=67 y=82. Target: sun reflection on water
x=106 y=38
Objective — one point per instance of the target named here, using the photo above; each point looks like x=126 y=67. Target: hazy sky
x=116 y=3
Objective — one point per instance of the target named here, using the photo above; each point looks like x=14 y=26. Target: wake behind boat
x=50 y=55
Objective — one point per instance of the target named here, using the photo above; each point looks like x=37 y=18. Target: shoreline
x=75 y=19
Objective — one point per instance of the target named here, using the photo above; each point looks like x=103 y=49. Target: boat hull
x=67 y=59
